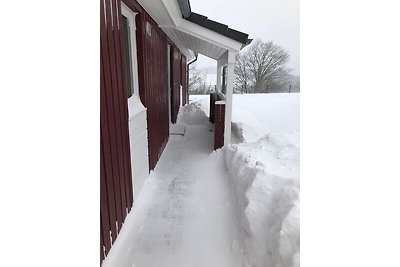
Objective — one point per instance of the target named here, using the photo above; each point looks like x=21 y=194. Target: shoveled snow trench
x=185 y=214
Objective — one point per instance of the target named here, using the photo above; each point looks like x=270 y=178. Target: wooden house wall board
x=116 y=189
x=176 y=81
x=153 y=83
x=116 y=196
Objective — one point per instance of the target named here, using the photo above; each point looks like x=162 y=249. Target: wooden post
x=219 y=124
x=213 y=98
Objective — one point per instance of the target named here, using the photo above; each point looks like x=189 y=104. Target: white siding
x=138 y=143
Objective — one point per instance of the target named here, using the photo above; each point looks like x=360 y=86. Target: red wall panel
x=176 y=82
x=219 y=125
x=153 y=83
x=153 y=79
x=116 y=196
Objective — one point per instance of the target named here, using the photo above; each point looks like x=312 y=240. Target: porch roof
x=194 y=33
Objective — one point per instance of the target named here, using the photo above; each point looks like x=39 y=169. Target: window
x=128 y=57
x=129 y=46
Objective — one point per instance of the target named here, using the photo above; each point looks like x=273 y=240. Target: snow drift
x=265 y=177
x=192 y=114
x=264 y=170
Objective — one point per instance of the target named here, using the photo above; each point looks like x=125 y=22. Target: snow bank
x=265 y=177
x=202 y=102
x=264 y=169
x=192 y=114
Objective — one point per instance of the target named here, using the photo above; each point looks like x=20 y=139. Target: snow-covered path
x=185 y=215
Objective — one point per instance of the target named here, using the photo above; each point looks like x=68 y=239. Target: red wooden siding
x=213 y=98
x=175 y=82
x=185 y=93
x=116 y=194
x=116 y=189
x=153 y=82
x=219 y=125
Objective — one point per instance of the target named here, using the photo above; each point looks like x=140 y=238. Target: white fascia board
x=198 y=31
x=208 y=35
x=173 y=9
x=167 y=14
x=156 y=11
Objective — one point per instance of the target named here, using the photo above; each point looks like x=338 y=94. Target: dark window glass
x=128 y=57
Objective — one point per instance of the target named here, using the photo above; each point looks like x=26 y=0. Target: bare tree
x=242 y=81
x=261 y=67
x=196 y=77
x=197 y=81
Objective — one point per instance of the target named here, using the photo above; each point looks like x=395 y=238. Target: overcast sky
x=269 y=20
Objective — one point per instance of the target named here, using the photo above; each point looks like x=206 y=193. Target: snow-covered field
x=264 y=169
x=258 y=114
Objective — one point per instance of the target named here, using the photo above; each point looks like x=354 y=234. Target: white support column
x=228 y=98
x=219 y=73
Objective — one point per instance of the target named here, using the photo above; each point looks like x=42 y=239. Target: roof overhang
x=188 y=36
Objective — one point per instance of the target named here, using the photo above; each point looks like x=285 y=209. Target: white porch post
x=228 y=97
x=219 y=73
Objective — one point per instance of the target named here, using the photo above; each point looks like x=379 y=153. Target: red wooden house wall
x=175 y=82
x=153 y=79
x=116 y=196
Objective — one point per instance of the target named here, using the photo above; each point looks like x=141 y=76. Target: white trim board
x=167 y=14
x=130 y=15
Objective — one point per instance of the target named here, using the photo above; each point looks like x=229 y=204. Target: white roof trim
x=206 y=35
x=167 y=14
x=198 y=31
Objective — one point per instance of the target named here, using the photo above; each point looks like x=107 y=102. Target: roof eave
x=212 y=25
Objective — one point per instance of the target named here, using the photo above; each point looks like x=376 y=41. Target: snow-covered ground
x=264 y=169
x=259 y=114
x=185 y=214
x=231 y=207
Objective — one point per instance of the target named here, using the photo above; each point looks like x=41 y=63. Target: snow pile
x=202 y=102
x=264 y=168
x=266 y=181
x=192 y=114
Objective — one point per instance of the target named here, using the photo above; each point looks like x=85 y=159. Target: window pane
x=128 y=57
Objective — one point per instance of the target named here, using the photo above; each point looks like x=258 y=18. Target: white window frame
x=130 y=15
